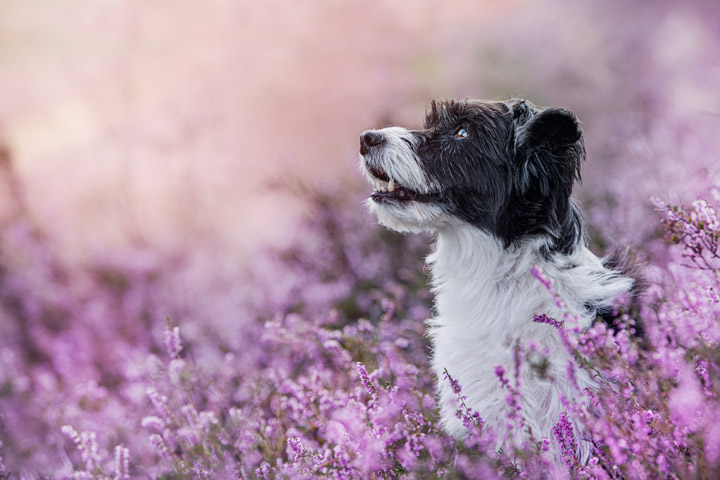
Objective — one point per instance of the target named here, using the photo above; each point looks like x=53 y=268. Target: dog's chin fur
x=485 y=293
x=413 y=218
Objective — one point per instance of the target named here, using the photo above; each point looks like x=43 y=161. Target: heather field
x=190 y=287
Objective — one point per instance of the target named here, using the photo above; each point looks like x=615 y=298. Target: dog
x=492 y=181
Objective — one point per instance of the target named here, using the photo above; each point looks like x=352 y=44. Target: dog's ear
x=552 y=128
x=549 y=148
x=522 y=111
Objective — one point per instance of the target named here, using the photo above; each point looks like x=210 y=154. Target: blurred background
x=158 y=158
x=164 y=123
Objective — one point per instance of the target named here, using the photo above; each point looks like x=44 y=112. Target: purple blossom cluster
x=544 y=318
x=565 y=438
x=470 y=418
x=348 y=393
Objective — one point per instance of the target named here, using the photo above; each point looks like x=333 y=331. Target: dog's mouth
x=387 y=190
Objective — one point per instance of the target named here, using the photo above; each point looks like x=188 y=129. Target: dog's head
x=504 y=167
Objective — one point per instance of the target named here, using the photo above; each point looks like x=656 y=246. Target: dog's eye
x=462 y=133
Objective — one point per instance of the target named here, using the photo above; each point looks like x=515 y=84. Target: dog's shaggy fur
x=492 y=181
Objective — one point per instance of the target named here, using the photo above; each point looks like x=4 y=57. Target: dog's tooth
x=391 y=185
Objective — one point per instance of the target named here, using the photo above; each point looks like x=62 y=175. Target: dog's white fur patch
x=485 y=301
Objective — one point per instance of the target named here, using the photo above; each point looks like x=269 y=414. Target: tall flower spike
x=173 y=343
x=122 y=463
x=367 y=383
x=563 y=431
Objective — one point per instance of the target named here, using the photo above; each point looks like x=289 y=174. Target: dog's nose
x=370 y=138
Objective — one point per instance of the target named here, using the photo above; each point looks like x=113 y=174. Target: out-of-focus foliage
x=345 y=392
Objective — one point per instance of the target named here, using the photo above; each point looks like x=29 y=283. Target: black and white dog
x=492 y=181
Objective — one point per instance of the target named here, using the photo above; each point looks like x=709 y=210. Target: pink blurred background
x=163 y=125
x=163 y=122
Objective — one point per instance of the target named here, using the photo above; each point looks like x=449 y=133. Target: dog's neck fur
x=486 y=297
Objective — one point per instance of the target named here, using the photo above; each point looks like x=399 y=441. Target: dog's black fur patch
x=512 y=175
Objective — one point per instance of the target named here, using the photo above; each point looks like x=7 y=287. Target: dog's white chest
x=485 y=301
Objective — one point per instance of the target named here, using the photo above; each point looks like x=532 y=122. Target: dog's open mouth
x=387 y=190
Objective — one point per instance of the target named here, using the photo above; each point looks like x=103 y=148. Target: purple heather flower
x=543 y=318
x=367 y=383
x=295 y=448
x=500 y=374
x=122 y=463
x=563 y=431
x=173 y=343
x=159 y=444
x=454 y=384
x=3 y=469
x=86 y=443
x=160 y=403
x=153 y=422
x=545 y=444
